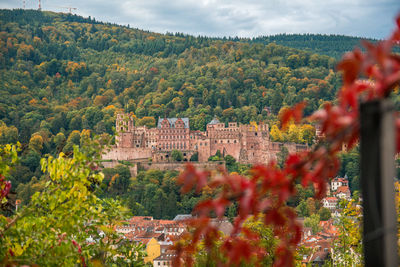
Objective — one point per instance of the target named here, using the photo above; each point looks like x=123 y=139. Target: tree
x=59 y=140
x=54 y=228
x=348 y=246
x=176 y=155
x=148 y=121
x=36 y=143
x=276 y=134
x=194 y=157
x=117 y=179
x=308 y=133
x=302 y=209
x=281 y=156
x=324 y=214
x=230 y=163
x=313 y=222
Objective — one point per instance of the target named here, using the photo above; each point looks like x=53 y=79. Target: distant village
x=158 y=235
x=320 y=243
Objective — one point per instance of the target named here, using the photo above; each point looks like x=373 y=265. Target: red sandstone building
x=246 y=143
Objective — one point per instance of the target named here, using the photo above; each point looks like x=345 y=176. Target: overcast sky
x=244 y=18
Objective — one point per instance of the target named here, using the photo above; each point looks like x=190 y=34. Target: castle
x=249 y=144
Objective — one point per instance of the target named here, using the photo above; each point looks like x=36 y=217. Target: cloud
x=245 y=18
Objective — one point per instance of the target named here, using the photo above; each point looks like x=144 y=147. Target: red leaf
x=191 y=177
x=275 y=217
x=351 y=66
x=295 y=113
x=398 y=21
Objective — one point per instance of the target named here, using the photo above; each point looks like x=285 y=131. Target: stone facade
x=248 y=144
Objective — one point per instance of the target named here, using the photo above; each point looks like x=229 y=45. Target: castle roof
x=172 y=122
x=214 y=121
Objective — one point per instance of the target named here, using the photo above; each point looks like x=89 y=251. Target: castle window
x=234 y=141
x=255 y=134
x=228 y=141
x=215 y=141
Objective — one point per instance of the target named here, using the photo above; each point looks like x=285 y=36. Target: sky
x=243 y=18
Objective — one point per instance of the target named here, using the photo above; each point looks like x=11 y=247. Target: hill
x=61 y=74
x=331 y=45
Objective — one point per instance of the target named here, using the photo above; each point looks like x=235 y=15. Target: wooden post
x=377 y=183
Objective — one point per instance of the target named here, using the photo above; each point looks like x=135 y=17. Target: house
x=338 y=182
x=343 y=192
x=165 y=259
x=152 y=248
x=181 y=217
x=156 y=235
x=330 y=203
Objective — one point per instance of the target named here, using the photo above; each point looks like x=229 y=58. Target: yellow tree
x=276 y=134
x=308 y=133
x=36 y=143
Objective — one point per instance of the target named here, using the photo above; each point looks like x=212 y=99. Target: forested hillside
x=62 y=74
x=331 y=45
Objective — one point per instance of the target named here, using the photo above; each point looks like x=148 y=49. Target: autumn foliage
x=366 y=77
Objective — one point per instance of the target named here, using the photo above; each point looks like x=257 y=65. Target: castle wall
x=164 y=166
x=246 y=143
x=127 y=153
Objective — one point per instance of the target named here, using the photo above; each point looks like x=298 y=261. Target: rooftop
x=214 y=121
x=172 y=122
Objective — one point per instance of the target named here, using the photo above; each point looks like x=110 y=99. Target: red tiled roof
x=344 y=189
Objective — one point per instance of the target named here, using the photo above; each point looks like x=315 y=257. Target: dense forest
x=331 y=45
x=63 y=76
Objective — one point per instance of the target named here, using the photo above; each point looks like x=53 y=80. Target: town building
x=343 y=192
x=158 y=236
x=338 y=182
x=330 y=203
x=249 y=144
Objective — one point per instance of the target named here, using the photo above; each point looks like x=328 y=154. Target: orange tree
x=366 y=76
